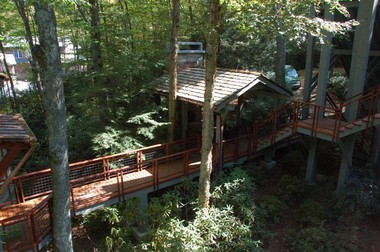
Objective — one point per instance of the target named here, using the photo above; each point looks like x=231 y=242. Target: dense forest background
x=119 y=48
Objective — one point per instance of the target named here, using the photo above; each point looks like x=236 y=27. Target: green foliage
x=113 y=141
x=338 y=84
x=101 y=221
x=271 y=209
x=319 y=238
x=292 y=160
x=310 y=212
x=257 y=108
x=226 y=226
x=359 y=196
x=162 y=209
x=213 y=229
x=291 y=189
x=147 y=125
x=235 y=189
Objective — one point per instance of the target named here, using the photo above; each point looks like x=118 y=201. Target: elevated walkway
x=107 y=180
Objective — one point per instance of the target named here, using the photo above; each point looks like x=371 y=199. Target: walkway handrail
x=41 y=213
x=36 y=184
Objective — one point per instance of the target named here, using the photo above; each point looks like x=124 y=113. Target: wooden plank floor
x=105 y=189
x=19 y=209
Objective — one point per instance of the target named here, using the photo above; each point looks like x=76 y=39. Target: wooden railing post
x=155 y=175
x=31 y=230
x=168 y=149
x=73 y=200
x=186 y=163
x=106 y=167
x=139 y=160
x=273 y=131
x=295 y=116
x=22 y=191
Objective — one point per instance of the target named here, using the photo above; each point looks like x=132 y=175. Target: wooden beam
x=8 y=159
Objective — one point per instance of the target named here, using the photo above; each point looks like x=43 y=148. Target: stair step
x=377 y=116
x=349 y=126
x=358 y=123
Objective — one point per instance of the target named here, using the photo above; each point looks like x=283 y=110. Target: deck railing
x=113 y=169
x=26 y=231
x=37 y=184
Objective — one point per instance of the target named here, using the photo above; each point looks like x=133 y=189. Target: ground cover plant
x=252 y=209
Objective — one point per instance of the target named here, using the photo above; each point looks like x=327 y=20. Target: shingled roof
x=229 y=85
x=15 y=136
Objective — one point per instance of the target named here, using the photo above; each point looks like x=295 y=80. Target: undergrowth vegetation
x=251 y=209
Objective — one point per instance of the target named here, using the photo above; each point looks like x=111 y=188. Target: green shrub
x=271 y=208
x=359 y=196
x=162 y=209
x=100 y=222
x=291 y=189
x=309 y=239
x=235 y=189
x=292 y=161
x=338 y=85
x=319 y=238
x=213 y=229
x=310 y=212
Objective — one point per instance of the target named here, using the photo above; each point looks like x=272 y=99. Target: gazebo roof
x=229 y=85
x=15 y=136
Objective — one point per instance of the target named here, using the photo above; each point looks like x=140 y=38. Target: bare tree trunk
x=13 y=100
x=54 y=101
x=20 y=4
x=173 y=68
x=208 y=112
x=280 y=60
x=96 y=54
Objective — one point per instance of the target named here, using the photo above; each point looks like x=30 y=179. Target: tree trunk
x=280 y=60
x=96 y=56
x=12 y=99
x=173 y=69
x=208 y=112
x=54 y=101
x=20 y=4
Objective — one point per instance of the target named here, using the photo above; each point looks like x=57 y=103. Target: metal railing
x=27 y=230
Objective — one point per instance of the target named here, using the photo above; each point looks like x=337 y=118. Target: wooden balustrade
x=165 y=162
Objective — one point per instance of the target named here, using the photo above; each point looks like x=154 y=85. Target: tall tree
x=286 y=21
x=22 y=10
x=48 y=57
x=208 y=105
x=173 y=68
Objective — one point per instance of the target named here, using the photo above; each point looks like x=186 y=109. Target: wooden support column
x=311 y=161
x=347 y=148
x=184 y=120
x=219 y=143
x=309 y=68
x=309 y=62
x=375 y=148
x=324 y=62
x=360 y=52
x=358 y=71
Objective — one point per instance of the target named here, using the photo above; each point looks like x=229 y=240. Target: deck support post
x=219 y=143
x=372 y=160
x=268 y=161
x=184 y=120
x=309 y=67
x=311 y=161
x=347 y=148
x=324 y=62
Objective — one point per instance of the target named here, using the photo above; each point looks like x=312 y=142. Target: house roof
x=14 y=130
x=229 y=85
x=15 y=136
x=11 y=61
